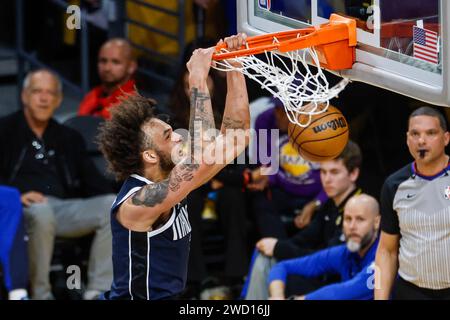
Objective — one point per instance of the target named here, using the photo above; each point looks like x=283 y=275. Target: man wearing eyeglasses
x=62 y=193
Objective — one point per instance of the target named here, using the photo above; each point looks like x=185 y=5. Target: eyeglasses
x=41 y=152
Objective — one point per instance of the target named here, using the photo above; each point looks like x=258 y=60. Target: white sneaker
x=18 y=294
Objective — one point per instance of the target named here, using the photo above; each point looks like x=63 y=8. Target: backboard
x=402 y=45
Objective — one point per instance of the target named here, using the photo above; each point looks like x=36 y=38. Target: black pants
x=404 y=290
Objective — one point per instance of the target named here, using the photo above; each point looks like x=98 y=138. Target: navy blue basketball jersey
x=149 y=265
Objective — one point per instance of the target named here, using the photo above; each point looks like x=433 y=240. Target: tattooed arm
x=153 y=202
x=236 y=114
x=201 y=119
x=236 y=118
x=144 y=208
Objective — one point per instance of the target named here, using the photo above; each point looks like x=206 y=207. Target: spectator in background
x=13 y=245
x=116 y=69
x=295 y=187
x=48 y=163
x=353 y=261
x=414 y=251
x=226 y=188
x=338 y=178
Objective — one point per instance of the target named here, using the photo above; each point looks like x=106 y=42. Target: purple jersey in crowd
x=295 y=175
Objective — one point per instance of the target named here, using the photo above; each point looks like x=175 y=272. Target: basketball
x=323 y=139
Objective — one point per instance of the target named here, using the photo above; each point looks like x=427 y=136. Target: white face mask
x=353 y=246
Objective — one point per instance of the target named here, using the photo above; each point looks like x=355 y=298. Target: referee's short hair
x=431 y=112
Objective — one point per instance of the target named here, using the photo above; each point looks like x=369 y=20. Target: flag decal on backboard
x=264 y=4
x=426 y=45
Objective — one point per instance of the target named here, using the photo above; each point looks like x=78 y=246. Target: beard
x=110 y=81
x=165 y=162
x=354 y=246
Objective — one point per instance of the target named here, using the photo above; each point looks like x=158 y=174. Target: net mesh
x=304 y=93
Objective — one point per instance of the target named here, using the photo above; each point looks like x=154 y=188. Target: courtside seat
x=88 y=127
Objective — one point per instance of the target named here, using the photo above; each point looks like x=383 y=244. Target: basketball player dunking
x=149 y=218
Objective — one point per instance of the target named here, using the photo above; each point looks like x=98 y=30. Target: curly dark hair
x=121 y=139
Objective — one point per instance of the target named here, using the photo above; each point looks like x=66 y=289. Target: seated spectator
x=116 y=68
x=353 y=262
x=227 y=187
x=338 y=178
x=295 y=186
x=13 y=246
x=61 y=191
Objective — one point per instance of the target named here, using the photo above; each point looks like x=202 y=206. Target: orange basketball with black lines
x=324 y=138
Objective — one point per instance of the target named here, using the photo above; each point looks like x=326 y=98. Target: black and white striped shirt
x=417 y=208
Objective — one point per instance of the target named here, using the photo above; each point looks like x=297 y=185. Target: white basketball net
x=302 y=92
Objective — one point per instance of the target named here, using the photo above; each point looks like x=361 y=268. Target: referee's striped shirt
x=417 y=208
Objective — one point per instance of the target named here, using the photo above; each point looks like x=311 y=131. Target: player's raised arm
x=236 y=114
x=142 y=209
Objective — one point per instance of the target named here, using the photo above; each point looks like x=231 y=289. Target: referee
x=413 y=256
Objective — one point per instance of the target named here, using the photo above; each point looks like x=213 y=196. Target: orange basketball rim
x=335 y=43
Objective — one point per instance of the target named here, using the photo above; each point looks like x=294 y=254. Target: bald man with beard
x=116 y=68
x=353 y=261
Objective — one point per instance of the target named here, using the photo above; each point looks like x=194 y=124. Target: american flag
x=426 y=45
x=264 y=4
